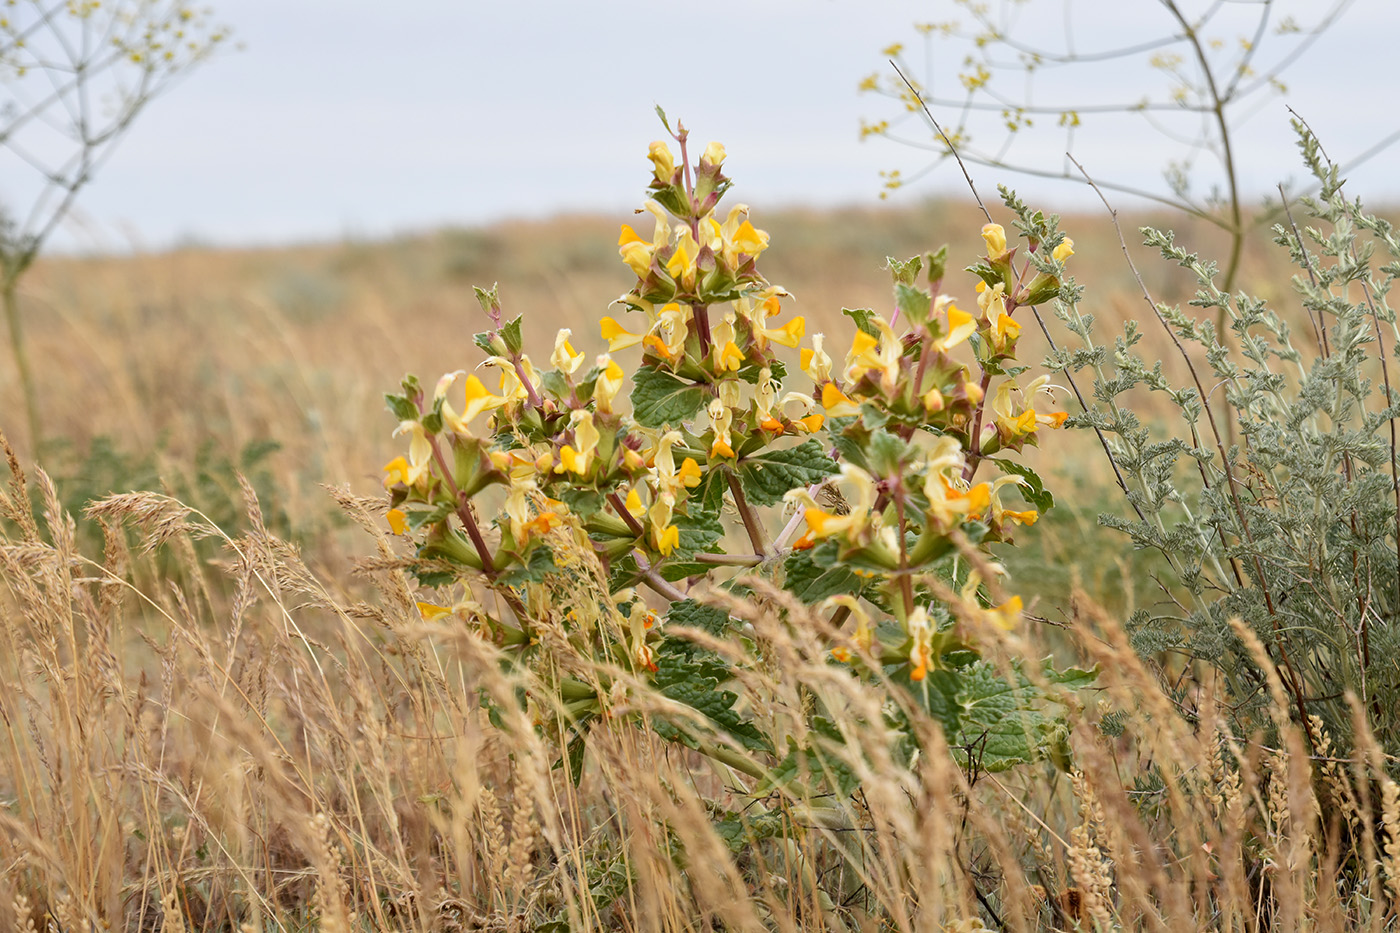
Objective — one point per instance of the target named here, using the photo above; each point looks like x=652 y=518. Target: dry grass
x=265 y=751
x=272 y=740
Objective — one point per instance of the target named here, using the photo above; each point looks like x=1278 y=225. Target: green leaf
x=768 y=475
x=996 y=723
x=699 y=616
x=540 y=564
x=403 y=409
x=862 y=318
x=582 y=501
x=1033 y=489
x=661 y=400
x=906 y=271
x=752 y=371
x=914 y=302
x=699 y=531
x=812 y=582
x=511 y=334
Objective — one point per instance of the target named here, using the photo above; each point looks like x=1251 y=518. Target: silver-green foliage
x=1276 y=501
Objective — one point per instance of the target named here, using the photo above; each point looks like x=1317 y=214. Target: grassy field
x=236 y=719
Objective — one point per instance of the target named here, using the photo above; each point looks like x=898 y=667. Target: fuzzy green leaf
x=661 y=400
x=768 y=475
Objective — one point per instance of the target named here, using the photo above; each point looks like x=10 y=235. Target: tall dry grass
x=250 y=746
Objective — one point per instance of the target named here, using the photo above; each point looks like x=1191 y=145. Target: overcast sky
x=368 y=118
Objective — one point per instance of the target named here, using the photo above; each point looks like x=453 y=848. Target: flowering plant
x=859 y=486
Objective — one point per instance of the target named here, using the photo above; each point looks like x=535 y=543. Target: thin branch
x=928 y=113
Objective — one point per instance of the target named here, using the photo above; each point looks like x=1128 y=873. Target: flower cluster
x=875 y=457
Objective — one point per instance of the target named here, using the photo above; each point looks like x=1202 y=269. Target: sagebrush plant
x=1294 y=528
x=880 y=458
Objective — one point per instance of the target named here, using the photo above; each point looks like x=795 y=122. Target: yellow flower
x=721 y=416
x=961 y=325
x=634 y=504
x=949 y=504
x=478 y=399
x=995 y=235
x=635 y=251
x=713 y=155
x=432 y=612
x=921 y=632
x=672 y=328
x=681 y=265
x=689 y=473
x=587 y=437
x=823 y=523
x=749 y=240
x=667 y=539
x=815 y=362
x=837 y=403
x=663 y=162
x=789 y=335
x=609 y=383
x=412 y=471
x=398 y=521
x=864 y=356
x=565 y=359
x=1008 y=614
x=1064 y=250
x=1004 y=330
x=730 y=357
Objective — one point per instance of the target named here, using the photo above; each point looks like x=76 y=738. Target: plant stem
x=751 y=523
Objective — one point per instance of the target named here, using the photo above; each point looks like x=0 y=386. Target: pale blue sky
x=366 y=118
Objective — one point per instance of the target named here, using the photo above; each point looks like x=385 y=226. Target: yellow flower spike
x=432 y=612
x=811 y=424
x=634 y=504
x=585 y=433
x=689 y=474
x=1064 y=250
x=995 y=235
x=398 y=521
x=731 y=358
x=617 y=336
x=663 y=162
x=628 y=235
x=1008 y=614
x=837 y=403
x=565 y=358
x=857 y=361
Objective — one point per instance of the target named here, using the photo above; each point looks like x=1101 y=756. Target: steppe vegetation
x=237 y=701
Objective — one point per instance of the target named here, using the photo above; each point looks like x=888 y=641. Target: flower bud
x=995 y=235
x=664 y=163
